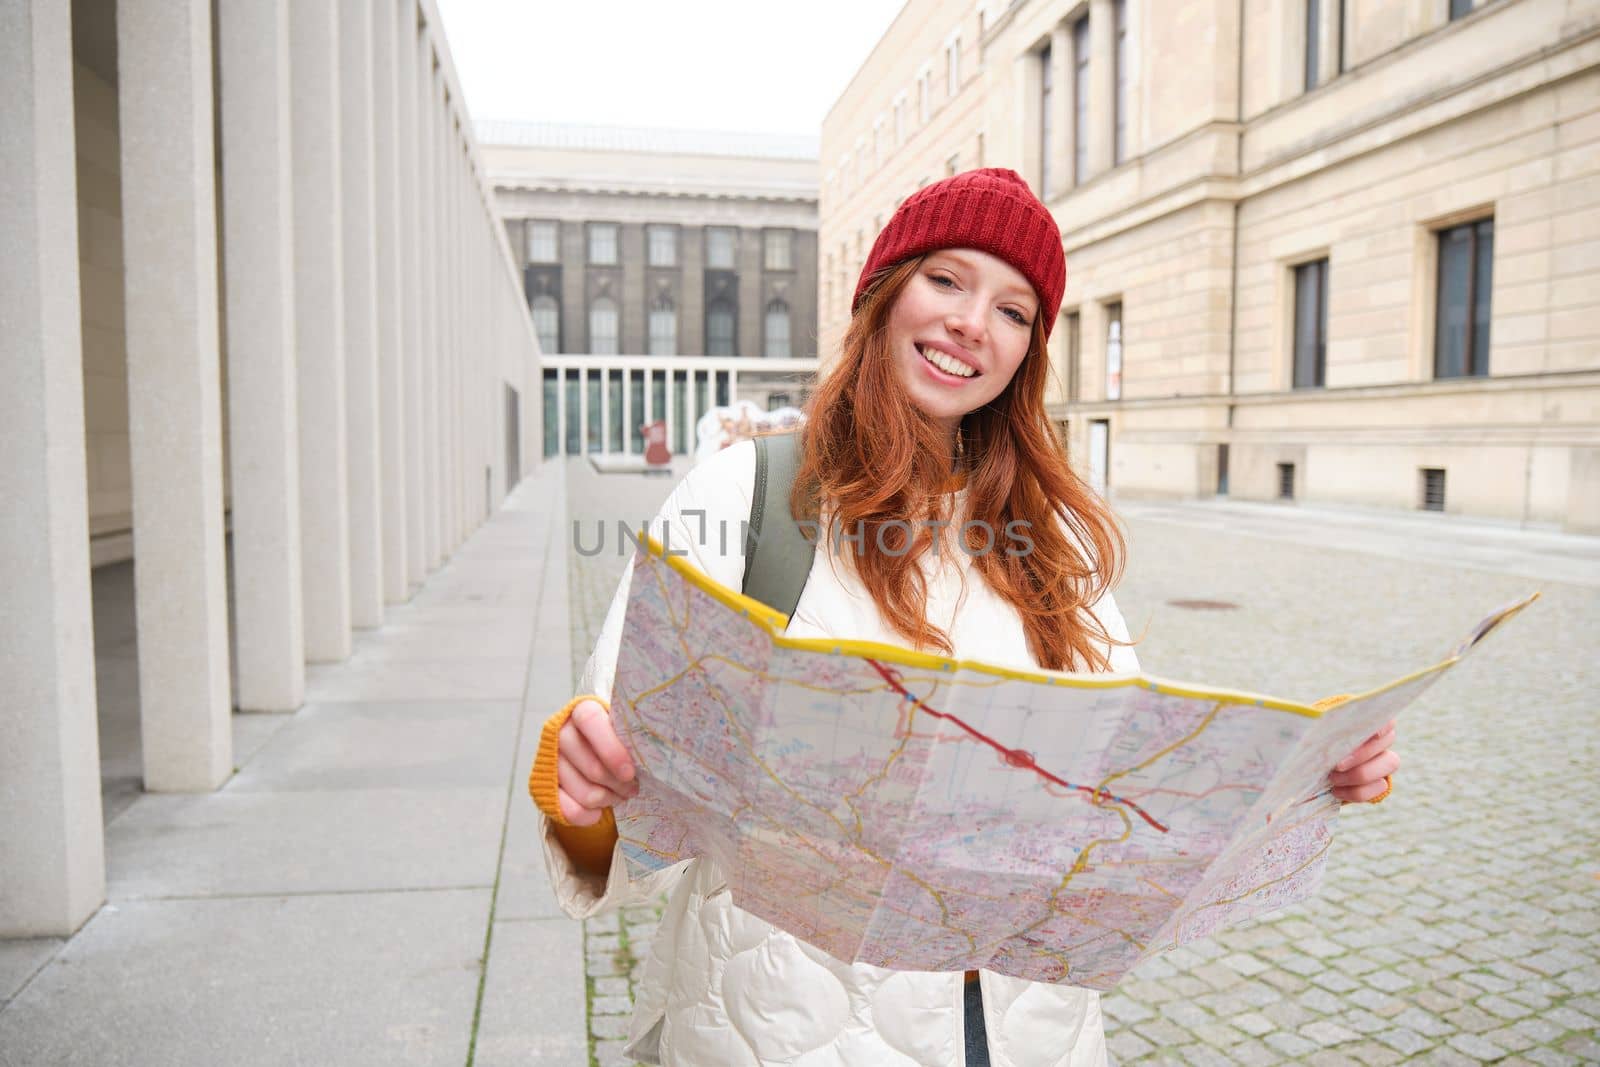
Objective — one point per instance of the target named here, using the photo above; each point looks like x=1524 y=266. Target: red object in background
x=656 y=452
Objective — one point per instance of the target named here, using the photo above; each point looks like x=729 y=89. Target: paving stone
x=1388 y=981
x=1186 y=1014
x=1245 y=964
x=1472 y=1020
x=1476 y=1046
x=1202 y=1056
x=1253 y=1023
x=1549 y=1057
x=1126 y=1045
x=1254 y=1054
x=533 y=1010
x=1332 y=1058
x=1289 y=1044
x=612 y=1005
x=1375 y=1055
x=1327 y=1034
x=610 y=1054
x=1424 y=1022
x=1402 y=1040
x=1510 y=1038
x=1362 y=1021
x=1217 y=1035
x=1572 y=1019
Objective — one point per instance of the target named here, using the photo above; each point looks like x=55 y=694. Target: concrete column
x=408 y=228
x=263 y=420
x=457 y=245
x=428 y=304
x=428 y=301
x=1060 y=109
x=52 y=862
x=358 y=217
x=169 y=240
x=1102 y=83
x=319 y=329
x=450 y=271
x=389 y=291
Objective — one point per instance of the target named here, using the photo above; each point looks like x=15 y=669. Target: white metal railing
x=676 y=389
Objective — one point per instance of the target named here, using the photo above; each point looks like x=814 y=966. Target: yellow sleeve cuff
x=542 y=784
x=589 y=846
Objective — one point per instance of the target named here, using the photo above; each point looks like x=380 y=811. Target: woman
x=933 y=414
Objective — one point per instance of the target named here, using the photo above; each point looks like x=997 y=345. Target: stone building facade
x=264 y=339
x=1338 y=252
x=661 y=242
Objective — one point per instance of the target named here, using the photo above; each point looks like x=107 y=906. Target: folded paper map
x=921 y=813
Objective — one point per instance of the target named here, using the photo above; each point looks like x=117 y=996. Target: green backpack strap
x=777 y=556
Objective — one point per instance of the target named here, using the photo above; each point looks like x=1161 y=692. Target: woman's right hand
x=593 y=771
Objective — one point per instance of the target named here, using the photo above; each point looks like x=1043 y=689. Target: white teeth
x=946 y=363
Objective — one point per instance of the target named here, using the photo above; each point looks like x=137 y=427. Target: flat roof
x=646 y=139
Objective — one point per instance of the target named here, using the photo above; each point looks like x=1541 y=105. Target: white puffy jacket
x=722 y=988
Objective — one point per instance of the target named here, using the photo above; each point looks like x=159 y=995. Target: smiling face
x=959 y=330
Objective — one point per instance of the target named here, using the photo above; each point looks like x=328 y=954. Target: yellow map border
x=774 y=622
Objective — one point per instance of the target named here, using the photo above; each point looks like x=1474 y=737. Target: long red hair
x=879 y=462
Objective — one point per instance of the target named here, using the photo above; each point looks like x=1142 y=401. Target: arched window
x=777 y=330
x=603 y=326
x=663 y=327
x=719 y=329
x=547 y=322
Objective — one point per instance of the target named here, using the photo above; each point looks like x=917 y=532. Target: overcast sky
x=745 y=65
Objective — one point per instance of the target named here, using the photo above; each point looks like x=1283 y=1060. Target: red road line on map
x=1014 y=757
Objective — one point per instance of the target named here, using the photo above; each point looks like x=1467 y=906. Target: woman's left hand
x=1360 y=775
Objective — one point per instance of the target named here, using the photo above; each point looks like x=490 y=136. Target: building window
x=1338 y=30
x=952 y=60
x=663 y=327
x=661 y=246
x=1114 y=351
x=1286 y=481
x=877 y=143
x=720 y=242
x=719 y=328
x=899 y=121
x=1461 y=328
x=603 y=326
x=603 y=244
x=1119 y=103
x=777 y=330
x=1460 y=9
x=951 y=166
x=1080 y=100
x=779 y=251
x=777 y=400
x=547 y=322
x=1074 y=353
x=924 y=96
x=1432 y=489
x=1313 y=41
x=1311 y=325
x=543 y=243
x=1044 y=121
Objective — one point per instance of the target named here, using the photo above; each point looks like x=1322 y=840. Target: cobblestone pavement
x=1459 y=921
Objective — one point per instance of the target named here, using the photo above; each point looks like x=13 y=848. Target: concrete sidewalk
x=366 y=888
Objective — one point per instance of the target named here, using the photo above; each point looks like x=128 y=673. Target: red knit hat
x=992 y=210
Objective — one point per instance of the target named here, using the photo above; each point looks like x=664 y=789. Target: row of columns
x=371 y=319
